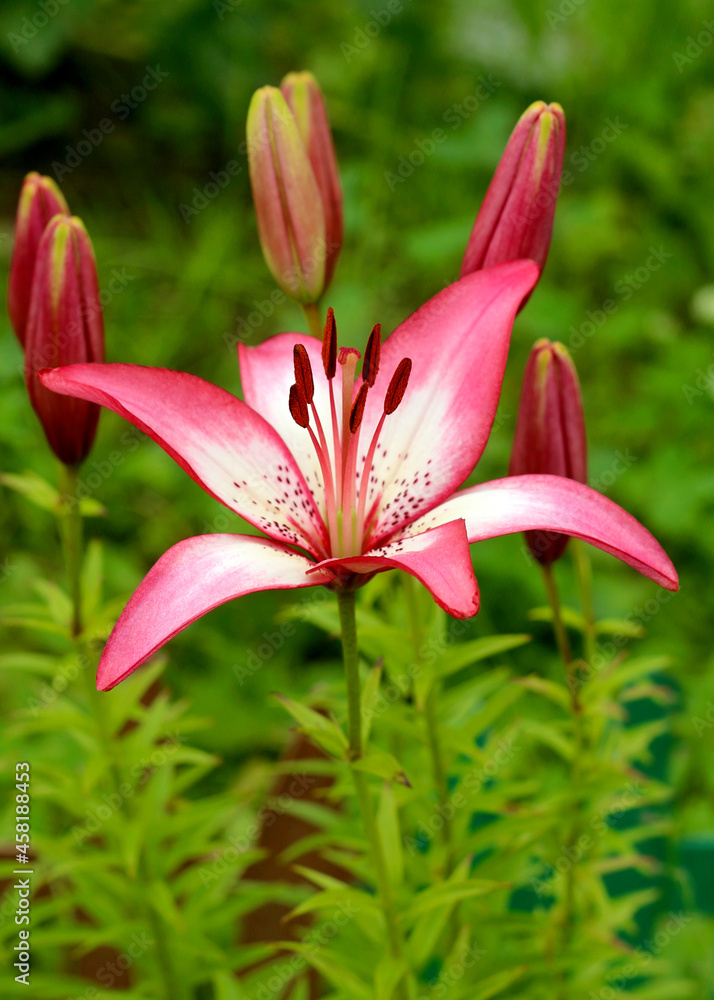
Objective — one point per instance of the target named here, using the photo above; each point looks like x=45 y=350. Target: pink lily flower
x=347 y=476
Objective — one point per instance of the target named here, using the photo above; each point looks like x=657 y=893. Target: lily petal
x=554 y=503
x=267 y=373
x=439 y=558
x=230 y=450
x=458 y=342
x=189 y=580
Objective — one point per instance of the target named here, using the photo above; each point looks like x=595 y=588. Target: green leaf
x=551 y=737
x=34 y=663
x=465 y=654
x=387 y=976
x=616 y=626
x=445 y=894
x=351 y=900
x=36 y=489
x=383 y=765
x=571 y=617
x=329 y=965
x=324 y=731
x=557 y=693
x=491 y=986
x=388 y=825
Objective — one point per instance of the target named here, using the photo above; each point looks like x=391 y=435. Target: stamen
x=329 y=345
x=370 y=368
x=394 y=396
x=348 y=358
x=357 y=411
x=303 y=372
x=398 y=385
x=298 y=407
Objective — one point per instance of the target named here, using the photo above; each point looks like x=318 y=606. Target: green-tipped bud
x=64 y=327
x=550 y=431
x=40 y=199
x=295 y=186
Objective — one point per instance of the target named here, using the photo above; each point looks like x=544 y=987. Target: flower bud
x=550 y=431
x=64 y=327
x=306 y=102
x=516 y=217
x=295 y=186
x=40 y=199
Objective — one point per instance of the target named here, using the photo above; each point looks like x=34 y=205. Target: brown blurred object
x=278 y=831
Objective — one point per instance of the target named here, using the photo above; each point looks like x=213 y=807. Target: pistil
x=345 y=507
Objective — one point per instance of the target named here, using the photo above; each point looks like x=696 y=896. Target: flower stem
x=583 y=572
x=346 y=605
x=312 y=315
x=71 y=528
x=567 y=921
x=561 y=636
x=431 y=719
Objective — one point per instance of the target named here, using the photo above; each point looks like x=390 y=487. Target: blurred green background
x=637 y=85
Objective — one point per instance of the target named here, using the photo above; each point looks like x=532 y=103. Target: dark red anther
x=398 y=385
x=370 y=367
x=357 y=411
x=329 y=345
x=303 y=372
x=298 y=406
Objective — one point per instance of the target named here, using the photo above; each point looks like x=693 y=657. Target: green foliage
x=181 y=759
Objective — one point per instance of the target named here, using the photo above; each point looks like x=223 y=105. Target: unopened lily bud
x=550 y=431
x=295 y=186
x=40 y=199
x=516 y=218
x=64 y=327
x=307 y=104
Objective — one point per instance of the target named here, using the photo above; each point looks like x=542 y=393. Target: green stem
x=71 y=527
x=431 y=719
x=561 y=636
x=346 y=605
x=574 y=826
x=583 y=572
x=312 y=315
